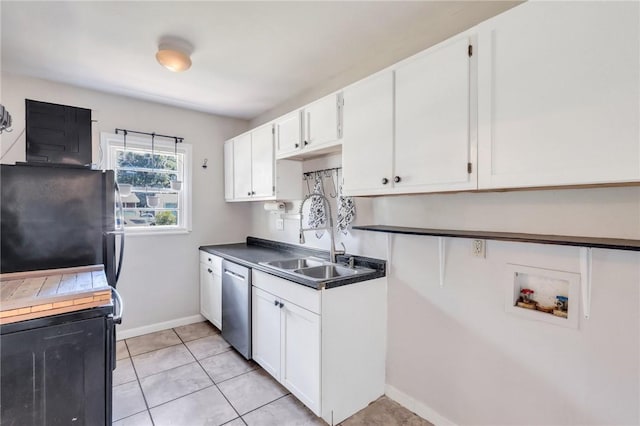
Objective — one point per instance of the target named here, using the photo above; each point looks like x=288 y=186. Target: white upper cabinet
x=288 y=134
x=262 y=162
x=242 y=167
x=433 y=145
x=228 y=170
x=251 y=172
x=367 y=147
x=252 y=165
x=322 y=121
x=313 y=130
x=559 y=95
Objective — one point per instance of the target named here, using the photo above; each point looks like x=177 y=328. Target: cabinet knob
x=397 y=179
x=249 y=193
x=275 y=303
x=306 y=143
x=385 y=181
x=281 y=305
x=253 y=192
x=209 y=259
x=297 y=145
x=209 y=270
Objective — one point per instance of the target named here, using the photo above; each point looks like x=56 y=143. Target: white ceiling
x=248 y=57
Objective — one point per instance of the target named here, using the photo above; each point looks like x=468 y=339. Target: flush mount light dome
x=173 y=58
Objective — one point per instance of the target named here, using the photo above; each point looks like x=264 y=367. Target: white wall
x=159 y=280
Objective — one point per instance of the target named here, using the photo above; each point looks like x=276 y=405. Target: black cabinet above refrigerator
x=58 y=134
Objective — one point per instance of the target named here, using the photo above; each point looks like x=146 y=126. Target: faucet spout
x=333 y=253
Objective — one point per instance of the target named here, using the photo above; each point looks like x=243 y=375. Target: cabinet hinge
x=470 y=50
x=469 y=167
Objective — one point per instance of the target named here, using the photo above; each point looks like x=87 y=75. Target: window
x=160 y=197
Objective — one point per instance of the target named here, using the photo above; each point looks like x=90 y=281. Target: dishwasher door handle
x=235 y=275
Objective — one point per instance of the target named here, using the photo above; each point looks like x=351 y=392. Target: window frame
x=110 y=142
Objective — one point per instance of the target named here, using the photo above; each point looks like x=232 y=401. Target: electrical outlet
x=478 y=248
x=280 y=224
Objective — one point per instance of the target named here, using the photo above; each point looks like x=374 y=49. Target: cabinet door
x=262 y=162
x=558 y=95
x=242 y=167
x=55 y=375
x=367 y=145
x=206 y=291
x=322 y=121
x=228 y=170
x=288 y=134
x=58 y=133
x=265 y=331
x=432 y=147
x=216 y=294
x=300 y=368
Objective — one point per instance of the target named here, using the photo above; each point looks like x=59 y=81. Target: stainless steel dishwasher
x=236 y=307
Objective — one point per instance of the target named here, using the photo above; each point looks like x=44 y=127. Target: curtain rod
x=177 y=139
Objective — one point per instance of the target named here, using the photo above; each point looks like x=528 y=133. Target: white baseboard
x=417 y=407
x=146 y=329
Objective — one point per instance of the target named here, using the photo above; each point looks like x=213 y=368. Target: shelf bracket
x=586 y=265
x=389 y=251
x=442 y=251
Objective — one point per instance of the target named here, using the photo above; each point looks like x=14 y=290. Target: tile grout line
x=184 y=343
x=213 y=381
x=268 y=403
x=144 y=398
x=153 y=350
x=234 y=377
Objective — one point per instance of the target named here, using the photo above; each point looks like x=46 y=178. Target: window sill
x=145 y=232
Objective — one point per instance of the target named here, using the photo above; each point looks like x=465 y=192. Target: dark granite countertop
x=256 y=250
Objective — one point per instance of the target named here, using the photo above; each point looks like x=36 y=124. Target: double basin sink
x=316 y=269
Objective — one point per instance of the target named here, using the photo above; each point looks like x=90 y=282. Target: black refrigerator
x=58 y=369
x=57 y=217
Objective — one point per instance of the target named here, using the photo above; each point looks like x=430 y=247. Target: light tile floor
x=189 y=376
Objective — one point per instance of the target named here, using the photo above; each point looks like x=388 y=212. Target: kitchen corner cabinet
x=253 y=164
x=252 y=174
x=410 y=129
x=310 y=341
x=558 y=95
x=211 y=288
x=315 y=129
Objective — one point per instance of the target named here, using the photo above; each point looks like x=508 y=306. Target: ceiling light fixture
x=173 y=58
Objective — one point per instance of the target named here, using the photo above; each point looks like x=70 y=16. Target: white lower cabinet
x=310 y=341
x=265 y=330
x=211 y=288
x=286 y=343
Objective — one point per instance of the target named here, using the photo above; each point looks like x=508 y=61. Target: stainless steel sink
x=316 y=269
x=326 y=272
x=291 y=264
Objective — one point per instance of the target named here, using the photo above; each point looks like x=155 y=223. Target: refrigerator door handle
x=120 y=232
x=117 y=317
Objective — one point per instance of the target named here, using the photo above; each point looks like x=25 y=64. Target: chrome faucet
x=333 y=253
